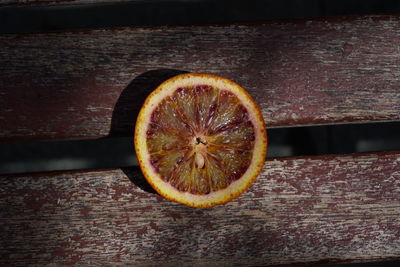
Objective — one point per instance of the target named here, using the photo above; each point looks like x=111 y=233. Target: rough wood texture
x=86 y=84
x=317 y=209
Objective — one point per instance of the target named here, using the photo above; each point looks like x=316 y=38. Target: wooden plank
x=316 y=209
x=89 y=84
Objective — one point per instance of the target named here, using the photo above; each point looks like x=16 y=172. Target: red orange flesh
x=200 y=139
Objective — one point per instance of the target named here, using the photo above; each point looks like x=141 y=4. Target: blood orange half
x=200 y=139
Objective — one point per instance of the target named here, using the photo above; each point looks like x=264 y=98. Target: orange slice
x=200 y=140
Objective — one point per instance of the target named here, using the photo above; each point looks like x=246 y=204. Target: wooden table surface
x=300 y=210
x=90 y=84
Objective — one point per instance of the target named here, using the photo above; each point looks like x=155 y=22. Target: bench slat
x=66 y=85
x=326 y=208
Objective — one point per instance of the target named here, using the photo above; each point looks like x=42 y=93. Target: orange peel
x=197 y=153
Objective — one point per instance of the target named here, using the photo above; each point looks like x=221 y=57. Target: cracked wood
x=315 y=209
x=68 y=85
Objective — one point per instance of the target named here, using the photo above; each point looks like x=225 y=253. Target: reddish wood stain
x=300 y=210
x=66 y=85
x=85 y=211
x=141 y=231
x=327 y=209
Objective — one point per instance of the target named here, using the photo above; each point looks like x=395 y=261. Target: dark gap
x=392 y=263
x=46 y=18
x=119 y=152
x=334 y=139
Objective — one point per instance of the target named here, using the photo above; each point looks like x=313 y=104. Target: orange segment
x=200 y=139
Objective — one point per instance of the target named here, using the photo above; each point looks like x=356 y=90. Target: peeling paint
x=301 y=73
x=300 y=210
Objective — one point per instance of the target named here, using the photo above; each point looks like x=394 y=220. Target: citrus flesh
x=200 y=139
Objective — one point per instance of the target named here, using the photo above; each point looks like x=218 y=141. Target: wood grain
x=315 y=209
x=88 y=84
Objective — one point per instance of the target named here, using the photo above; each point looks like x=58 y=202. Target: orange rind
x=200 y=139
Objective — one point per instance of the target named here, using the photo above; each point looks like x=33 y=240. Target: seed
x=199 y=160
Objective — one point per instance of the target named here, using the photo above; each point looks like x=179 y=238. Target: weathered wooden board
x=316 y=209
x=88 y=84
